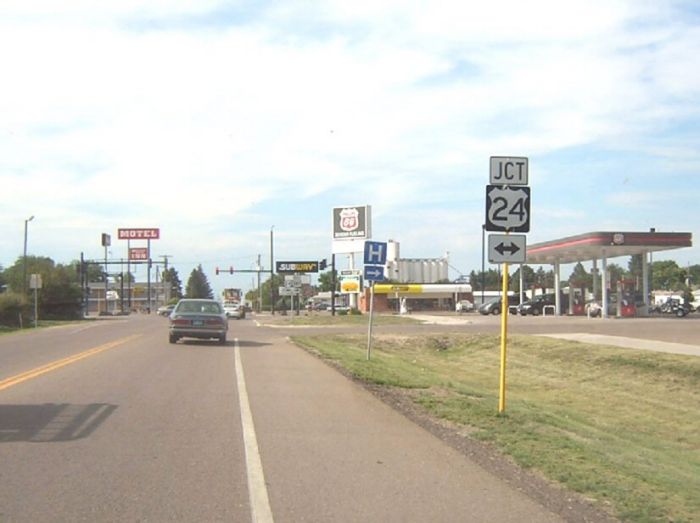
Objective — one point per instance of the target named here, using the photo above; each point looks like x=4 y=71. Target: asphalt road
x=109 y=422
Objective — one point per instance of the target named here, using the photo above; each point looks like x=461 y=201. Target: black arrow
x=511 y=249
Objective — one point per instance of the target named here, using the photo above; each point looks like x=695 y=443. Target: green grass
x=4 y=329
x=324 y=319
x=617 y=425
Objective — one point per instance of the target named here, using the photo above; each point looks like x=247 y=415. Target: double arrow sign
x=507 y=248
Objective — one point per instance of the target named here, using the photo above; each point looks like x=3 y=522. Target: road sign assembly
x=507 y=208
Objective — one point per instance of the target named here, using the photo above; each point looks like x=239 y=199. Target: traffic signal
x=323 y=264
x=217 y=271
x=230 y=270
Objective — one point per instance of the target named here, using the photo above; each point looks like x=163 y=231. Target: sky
x=219 y=122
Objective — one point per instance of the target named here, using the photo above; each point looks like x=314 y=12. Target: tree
x=59 y=296
x=198 y=285
x=253 y=295
x=635 y=265
x=528 y=278
x=325 y=281
x=544 y=279
x=616 y=273
x=492 y=280
x=173 y=278
x=667 y=275
x=692 y=273
x=580 y=278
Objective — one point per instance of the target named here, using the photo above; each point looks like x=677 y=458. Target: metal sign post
x=375 y=261
x=371 y=314
x=35 y=284
x=504 y=341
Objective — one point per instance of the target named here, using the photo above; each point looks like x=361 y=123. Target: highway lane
x=145 y=430
x=142 y=431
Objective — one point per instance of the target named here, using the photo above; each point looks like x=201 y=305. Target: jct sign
x=138 y=234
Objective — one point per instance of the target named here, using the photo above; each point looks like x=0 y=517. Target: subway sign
x=138 y=234
x=296 y=266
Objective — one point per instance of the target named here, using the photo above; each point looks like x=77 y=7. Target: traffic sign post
x=508 y=211
x=374 y=260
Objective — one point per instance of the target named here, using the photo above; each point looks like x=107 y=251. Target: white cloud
x=117 y=112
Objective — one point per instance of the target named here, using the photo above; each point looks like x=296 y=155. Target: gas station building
x=600 y=247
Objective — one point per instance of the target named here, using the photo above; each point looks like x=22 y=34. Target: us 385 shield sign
x=507 y=208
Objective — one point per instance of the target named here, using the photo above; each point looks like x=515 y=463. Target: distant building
x=414 y=270
x=124 y=299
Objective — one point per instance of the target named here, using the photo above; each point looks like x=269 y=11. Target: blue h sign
x=375 y=253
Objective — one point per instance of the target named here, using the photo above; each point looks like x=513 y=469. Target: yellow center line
x=33 y=373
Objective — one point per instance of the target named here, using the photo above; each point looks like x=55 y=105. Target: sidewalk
x=630 y=343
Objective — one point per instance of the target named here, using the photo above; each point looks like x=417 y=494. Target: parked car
x=536 y=305
x=494 y=306
x=165 y=310
x=203 y=319
x=234 y=310
x=464 y=306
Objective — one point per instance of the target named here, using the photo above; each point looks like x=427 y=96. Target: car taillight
x=215 y=321
x=180 y=321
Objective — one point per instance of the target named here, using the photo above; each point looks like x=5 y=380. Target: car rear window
x=195 y=306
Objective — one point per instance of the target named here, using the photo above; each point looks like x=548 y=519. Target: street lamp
x=24 y=257
x=272 y=271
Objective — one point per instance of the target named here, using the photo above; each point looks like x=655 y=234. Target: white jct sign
x=508 y=170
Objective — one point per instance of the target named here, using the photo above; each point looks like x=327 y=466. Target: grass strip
x=323 y=319
x=617 y=425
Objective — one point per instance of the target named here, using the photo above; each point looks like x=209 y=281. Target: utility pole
x=24 y=257
x=259 y=287
x=272 y=271
x=166 y=288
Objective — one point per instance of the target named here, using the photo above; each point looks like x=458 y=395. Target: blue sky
x=215 y=121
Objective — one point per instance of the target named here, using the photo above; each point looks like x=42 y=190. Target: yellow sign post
x=504 y=340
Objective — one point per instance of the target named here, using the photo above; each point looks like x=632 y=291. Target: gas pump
x=577 y=299
x=625 y=298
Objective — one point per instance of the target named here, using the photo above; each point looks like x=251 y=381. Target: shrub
x=12 y=305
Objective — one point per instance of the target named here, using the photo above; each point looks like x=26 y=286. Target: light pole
x=272 y=271
x=24 y=256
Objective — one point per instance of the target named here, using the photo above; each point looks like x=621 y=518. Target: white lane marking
x=259 y=501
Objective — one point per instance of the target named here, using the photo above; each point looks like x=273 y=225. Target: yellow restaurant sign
x=388 y=288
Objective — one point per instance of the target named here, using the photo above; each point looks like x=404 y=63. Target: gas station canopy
x=599 y=245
